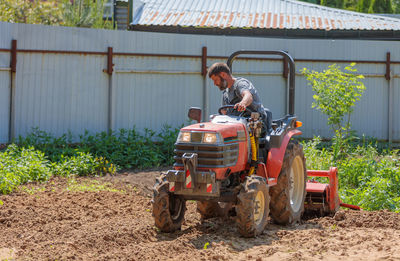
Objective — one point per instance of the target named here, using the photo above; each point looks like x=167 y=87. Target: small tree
x=335 y=95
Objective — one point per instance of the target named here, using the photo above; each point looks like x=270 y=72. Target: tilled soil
x=54 y=221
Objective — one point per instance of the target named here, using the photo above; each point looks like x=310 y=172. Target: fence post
x=204 y=74
x=13 y=65
x=389 y=78
x=110 y=70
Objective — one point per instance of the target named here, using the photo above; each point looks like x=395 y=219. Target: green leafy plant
x=111 y=151
x=335 y=94
x=40 y=155
x=21 y=165
x=80 y=164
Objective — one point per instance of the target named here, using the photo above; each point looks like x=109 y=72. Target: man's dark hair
x=217 y=68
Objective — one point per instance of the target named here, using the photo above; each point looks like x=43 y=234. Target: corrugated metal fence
x=63 y=79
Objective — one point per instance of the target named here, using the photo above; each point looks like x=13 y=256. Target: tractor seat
x=268 y=121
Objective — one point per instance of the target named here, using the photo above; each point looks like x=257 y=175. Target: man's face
x=219 y=81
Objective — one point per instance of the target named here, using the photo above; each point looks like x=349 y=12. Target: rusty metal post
x=110 y=70
x=388 y=77
x=13 y=65
x=390 y=104
x=204 y=74
x=387 y=74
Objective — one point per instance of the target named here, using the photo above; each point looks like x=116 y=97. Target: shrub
x=21 y=165
x=123 y=148
x=81 y=164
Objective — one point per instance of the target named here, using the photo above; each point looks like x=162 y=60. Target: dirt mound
x=67 y=220
x=367 y=219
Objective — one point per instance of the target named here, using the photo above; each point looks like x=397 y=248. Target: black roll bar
x=291 y=70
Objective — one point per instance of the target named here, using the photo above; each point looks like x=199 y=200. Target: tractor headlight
x=184 y=137
x=198 y=137
x=210 y=138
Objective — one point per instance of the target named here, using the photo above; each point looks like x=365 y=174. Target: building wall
x=69 y=91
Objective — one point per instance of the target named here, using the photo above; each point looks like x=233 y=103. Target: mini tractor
x=237 y=164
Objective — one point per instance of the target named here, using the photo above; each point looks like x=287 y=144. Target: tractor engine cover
x=221 y=146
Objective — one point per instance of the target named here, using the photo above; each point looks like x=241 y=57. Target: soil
x=57 y=221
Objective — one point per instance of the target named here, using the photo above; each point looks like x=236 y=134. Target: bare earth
x=54 y=223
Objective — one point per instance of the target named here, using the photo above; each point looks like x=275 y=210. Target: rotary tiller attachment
x=323 y=199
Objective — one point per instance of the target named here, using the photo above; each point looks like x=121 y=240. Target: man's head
x=220 y=74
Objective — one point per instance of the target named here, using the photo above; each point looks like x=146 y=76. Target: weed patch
x=91 y=186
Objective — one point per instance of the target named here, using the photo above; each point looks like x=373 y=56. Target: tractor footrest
x=200 y=184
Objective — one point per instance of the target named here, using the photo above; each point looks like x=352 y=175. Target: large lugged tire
x=287 y=197
x=210 y=209
x=252 y=208
x=168 y=209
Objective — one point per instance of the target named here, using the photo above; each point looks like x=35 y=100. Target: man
x=239 y=92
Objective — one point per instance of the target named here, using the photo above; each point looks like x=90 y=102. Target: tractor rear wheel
x=168 y=209
x=210 y=209
x=252 y=208
x=287 y=197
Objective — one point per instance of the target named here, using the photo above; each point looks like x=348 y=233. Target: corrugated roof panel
x=269 y=14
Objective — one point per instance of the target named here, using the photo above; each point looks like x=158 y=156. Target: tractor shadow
x=222 y=232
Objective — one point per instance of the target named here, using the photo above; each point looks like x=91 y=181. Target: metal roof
x=260 y=14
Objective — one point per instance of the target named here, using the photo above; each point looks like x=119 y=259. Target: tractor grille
x=209 y=156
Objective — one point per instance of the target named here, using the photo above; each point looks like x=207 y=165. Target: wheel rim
x=176 y=207
x=296 y=184
x=259 y=207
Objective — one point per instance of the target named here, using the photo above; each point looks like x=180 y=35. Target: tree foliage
x=380 y=7
x=36 y=12
x=79 y=13
x=363 y=6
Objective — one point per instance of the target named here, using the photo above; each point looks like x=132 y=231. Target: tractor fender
x=275 y=155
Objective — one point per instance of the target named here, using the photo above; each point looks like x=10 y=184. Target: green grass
x=91 y=186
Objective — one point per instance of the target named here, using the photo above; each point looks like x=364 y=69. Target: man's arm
x=246 y=101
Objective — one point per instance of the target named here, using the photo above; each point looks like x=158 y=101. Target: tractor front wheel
x=252 y=208
x=168 y=209
x=287 y=197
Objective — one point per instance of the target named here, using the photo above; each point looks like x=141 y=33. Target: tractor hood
x=225 y=125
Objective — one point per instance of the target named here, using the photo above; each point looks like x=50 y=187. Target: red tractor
x=239 y=165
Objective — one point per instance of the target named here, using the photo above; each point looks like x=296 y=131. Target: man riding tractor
x=239 y=161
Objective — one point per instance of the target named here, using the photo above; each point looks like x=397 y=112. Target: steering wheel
x=232 y=107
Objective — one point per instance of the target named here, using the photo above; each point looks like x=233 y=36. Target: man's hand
x=240 y=106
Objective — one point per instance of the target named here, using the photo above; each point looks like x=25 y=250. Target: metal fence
x=70 y=79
